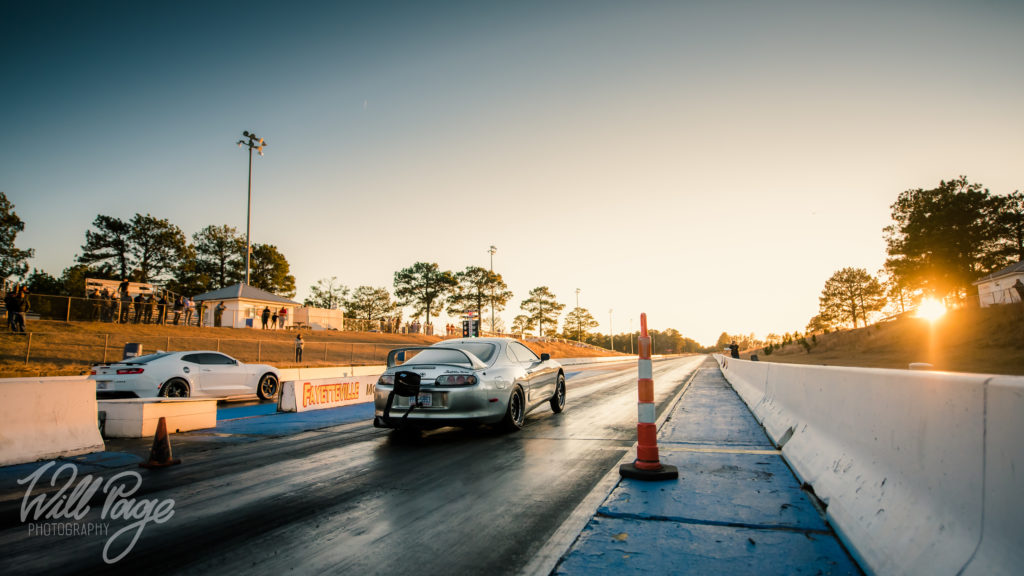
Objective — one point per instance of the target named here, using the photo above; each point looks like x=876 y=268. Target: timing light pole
x=252 y=141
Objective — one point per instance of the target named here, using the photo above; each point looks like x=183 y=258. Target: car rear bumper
x=450 y=407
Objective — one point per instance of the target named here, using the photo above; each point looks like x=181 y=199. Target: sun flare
x=931 y=309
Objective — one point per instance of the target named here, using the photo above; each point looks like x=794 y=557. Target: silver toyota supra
x=466 y=382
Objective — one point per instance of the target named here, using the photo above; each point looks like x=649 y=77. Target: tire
x=176 y=388
x=515 y=414
x=558 y=400
x=267 y=388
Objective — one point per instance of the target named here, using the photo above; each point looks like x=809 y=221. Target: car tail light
x=456 y=380
x=386 y=379
x=92 y=372
x=130 y=371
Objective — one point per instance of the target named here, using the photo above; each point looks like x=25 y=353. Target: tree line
x=941 y=240
x=150 y=249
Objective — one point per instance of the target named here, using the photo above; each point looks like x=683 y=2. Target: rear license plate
x=426 y=399
x=102 y=385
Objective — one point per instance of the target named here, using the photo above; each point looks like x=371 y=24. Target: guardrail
x=920 y=471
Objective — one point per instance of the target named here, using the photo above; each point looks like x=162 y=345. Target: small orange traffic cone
x=160 y=453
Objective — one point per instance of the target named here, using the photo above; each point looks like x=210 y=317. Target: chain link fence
x=75 y=353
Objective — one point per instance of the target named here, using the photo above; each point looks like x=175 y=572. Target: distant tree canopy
x=945 y=238
x=327 y=293
x=521 y=324
x=370 y=303
x=269 y=271
x=476 y=288
x=850 y=293
x=542 y=308
x=423 y=285
x=13 y=261
x=1010 y=223
x=220 y=255
x=578 y=323
x=145 y=249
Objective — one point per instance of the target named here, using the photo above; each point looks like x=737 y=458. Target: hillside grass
x=69 y=348
x=978 y=340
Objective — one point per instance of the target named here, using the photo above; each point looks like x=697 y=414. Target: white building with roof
x=998 y=287
x=243 y=306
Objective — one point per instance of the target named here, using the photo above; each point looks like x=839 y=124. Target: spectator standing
x=201 y=313
x=734 y=349
x=162 y=306
x=218 y=312
x=138 y=309
x=189 y=309
x=282 y=315
x=97 y=304
x=179 y=308
x=273 y=320
x=298 y=347
x=150 y=308
x=265 y=316
x=9 y=306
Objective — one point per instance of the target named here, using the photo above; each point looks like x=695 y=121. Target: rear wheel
x=267 y=388
x=516 y=411
x=558 y=400
x=176 y=388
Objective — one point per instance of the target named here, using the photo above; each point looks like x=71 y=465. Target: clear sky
x=709 y=163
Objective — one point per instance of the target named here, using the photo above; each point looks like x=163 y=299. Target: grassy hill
x=67 y=348
x=980 y=340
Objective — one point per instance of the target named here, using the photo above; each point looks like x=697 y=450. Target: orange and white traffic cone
x=160 y=453
x=646 y=466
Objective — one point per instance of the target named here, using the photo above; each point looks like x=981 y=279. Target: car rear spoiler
x=399 y=354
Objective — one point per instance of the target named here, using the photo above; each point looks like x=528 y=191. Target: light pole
x=631 y=334
x=611 y=336
x=251 y=141
x=491 y=251
x=578 y=315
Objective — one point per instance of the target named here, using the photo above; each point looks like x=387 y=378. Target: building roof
x=1017 y=268
x=244 y=292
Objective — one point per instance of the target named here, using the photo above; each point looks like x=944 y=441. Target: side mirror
x=545 y=357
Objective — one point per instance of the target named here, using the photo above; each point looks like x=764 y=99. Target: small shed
x=243 y=305
x=998 y=287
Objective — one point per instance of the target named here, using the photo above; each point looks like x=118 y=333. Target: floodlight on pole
x=578 y=320
x=611 y=336
x=491 y=251
x=253 y=142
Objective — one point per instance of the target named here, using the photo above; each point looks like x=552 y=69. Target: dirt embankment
x=979 y=340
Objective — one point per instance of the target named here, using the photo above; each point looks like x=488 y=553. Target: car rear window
x=446 y=355
x=482 y=350
x=146 y=358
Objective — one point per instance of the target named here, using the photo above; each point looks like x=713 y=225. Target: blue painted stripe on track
x=231 y=412
x=283 y=423
x=571 y=374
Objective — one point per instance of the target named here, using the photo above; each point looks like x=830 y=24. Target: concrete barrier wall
x=321 y=393
x=921 y=472
x=42 y=418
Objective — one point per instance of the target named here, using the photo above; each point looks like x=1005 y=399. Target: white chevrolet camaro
x=466 y=382
x=195 y=373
